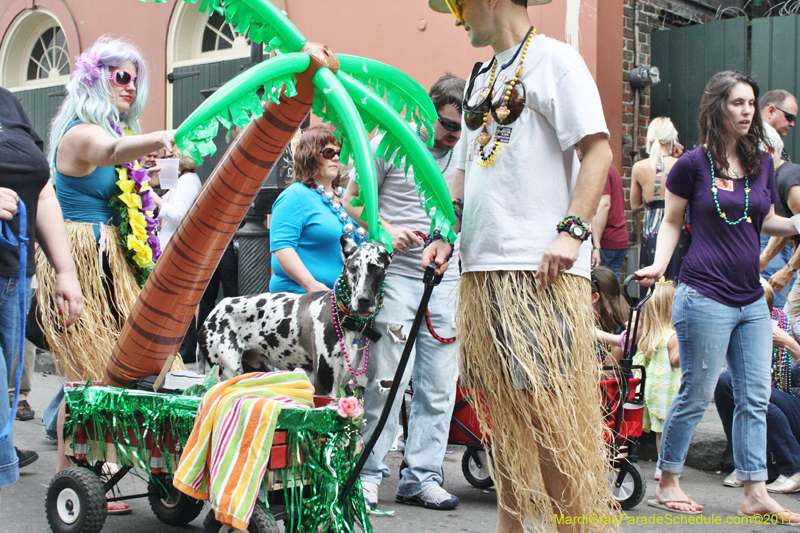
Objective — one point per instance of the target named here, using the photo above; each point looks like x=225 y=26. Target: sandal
x=662 y=504
x=118 y=508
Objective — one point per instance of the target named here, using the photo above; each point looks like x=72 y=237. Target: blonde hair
x=657 y=317
x=769 y=292
x=186 y=160
x=660 y=131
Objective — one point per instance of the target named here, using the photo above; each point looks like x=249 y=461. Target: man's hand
x=437 y=252
x=8 y=203
x=559 y=256
x=596 y=258
x=403 y=238
x=781 y=279
x=68 y=290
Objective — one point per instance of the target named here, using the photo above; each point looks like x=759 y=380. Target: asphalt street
x=22 y=505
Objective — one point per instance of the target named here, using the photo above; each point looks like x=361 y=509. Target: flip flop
x=773 y=518
x=117 y=508
x=662 y=504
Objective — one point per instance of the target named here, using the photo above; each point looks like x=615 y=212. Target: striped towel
x=225 y=458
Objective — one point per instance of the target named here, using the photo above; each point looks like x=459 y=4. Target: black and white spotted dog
x=287 y=331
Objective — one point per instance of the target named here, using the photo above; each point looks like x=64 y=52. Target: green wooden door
x=41 y=105
x=687 y=58
x=189 y=85
x=773 y=63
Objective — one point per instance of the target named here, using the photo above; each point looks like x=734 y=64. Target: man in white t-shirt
x=525 y=324
x=432 y=362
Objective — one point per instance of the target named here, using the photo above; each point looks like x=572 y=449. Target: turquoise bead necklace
x=721 y=213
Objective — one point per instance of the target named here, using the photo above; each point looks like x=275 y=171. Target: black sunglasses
x=448 y=125
x=330 y=153
x=791 y=118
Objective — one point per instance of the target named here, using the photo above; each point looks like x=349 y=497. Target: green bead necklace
x=722 y=214
x=437 y=157
x=342 y=297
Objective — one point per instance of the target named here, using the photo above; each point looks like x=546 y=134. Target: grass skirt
x=537 y=367
x=109 y=292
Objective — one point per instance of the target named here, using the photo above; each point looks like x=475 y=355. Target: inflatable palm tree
x=354 y=94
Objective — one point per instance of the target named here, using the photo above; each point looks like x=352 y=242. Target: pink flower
x=350 y=407
x=88 y=68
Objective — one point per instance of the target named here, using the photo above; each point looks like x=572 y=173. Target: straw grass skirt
x=109 y=292
x=532 y=352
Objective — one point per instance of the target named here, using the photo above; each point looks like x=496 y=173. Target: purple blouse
x=722 y=262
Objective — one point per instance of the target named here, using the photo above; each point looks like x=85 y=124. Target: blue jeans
x=709 y=333
x=777 y=263
x=9 y=349
x=783 y=423
x=613 y=259
x=435 y=376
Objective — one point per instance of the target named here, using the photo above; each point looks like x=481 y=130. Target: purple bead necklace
x=335 y=314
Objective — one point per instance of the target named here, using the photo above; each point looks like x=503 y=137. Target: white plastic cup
x=168 y=173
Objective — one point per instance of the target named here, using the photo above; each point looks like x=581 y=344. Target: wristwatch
x=577 y=231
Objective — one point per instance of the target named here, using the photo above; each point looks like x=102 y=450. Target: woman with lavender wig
x=95 y=144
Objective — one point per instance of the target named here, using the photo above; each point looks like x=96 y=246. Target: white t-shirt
x=176 y=204
x=512 y=207
x=399 y=205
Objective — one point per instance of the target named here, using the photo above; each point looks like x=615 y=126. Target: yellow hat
x=440 y=6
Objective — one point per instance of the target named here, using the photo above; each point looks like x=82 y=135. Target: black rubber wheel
x=261 y=522
x=631 y=490
x=174 y=508
x=76 y=502
x=475 y=468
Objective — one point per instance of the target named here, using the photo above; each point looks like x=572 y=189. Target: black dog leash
x=12 y=242
x=444 y=340
x=430 y=280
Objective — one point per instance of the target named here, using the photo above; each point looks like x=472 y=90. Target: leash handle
x=430 y=282
x=12 y=242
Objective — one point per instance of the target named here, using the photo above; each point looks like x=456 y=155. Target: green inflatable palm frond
x=237 y=102
x=258 y=20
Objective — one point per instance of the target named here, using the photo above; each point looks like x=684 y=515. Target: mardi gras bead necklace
x=333 y=199
x=502 y=112
x=781 y=359
x=448 y=153
x=340 y=303
x=721 y=213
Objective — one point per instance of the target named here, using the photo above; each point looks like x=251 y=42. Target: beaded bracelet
x=573 y=220
x=458 y=207
x=435 y=236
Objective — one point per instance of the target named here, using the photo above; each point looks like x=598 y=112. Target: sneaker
x=25 y=458
x=657 y=475
x=370 y=494
x=24 y=411
x=731 y=481
x=432 y=497
x=785 y=485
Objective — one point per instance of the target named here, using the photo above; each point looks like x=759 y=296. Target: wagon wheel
x=629 y=492
x=76 y=502
x=172 y=507
x=474 y=465
x=261 y=522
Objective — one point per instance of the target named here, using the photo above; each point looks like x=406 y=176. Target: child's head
x=657 y=316
x=769 y=293
x=606 y=300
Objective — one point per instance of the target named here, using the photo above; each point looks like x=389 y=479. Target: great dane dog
x=287 y=331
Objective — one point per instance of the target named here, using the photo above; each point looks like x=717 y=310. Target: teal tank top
x=85 y=199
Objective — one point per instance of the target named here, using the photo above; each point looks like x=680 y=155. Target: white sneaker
x=370 y=493
x=432 y=497
x=785 y=485
x=731 y=481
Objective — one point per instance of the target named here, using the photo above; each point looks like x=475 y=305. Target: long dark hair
x=611 y=315
x=311 y=143
x=715 y=122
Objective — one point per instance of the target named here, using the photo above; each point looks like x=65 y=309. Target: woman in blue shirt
x=308 y=219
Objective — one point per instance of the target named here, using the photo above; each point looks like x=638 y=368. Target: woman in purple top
x=719 y=310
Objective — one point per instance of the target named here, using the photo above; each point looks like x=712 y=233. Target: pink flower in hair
x=88 y=67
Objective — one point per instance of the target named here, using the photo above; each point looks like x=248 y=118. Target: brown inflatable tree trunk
x=160 y=317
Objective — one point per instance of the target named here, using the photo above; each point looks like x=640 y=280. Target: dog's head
x=364 y=269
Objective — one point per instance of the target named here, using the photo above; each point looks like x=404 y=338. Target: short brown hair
x=311 y=143
x=447 y=90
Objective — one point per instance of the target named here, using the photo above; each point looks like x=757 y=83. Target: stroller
x=622 y=398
